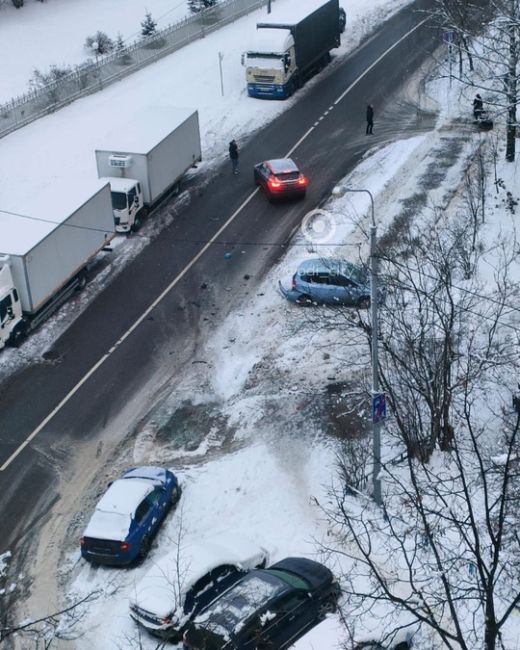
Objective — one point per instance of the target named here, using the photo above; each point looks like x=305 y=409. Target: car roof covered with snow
x=177 y=572
x=113 y=514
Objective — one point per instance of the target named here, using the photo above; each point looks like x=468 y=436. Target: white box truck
x=44 y=256
x=145 y=160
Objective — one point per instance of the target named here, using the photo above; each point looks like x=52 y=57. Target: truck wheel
x=82 y=281
x=18 y=335
x=137 y=224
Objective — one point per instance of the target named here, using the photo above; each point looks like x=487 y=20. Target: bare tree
x=42 y=632
x=440 y=554
x=493 y=54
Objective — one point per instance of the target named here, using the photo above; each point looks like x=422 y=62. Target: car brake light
x=125 y=546
x=294 y=281
x=82 y=541
x=302 y=180
x=274 y=184
x=166 y=621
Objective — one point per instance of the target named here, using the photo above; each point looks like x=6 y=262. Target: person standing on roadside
x=370 y=119
x=478 y=107
x=233 y=154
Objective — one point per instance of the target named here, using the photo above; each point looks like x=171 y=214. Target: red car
x=280 y=178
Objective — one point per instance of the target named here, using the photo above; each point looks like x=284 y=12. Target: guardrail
x=95 y=75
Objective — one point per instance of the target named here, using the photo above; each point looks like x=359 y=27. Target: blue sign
x=378 y=407
x=448 y=37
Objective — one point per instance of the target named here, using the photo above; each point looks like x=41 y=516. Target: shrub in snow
x=41 y=79
x=148 y=25
x=99 y=43
x=120 y=47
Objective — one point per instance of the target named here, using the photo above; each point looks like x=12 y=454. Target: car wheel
x=144 y=548
x=363 y=303
x=176 y=495
x=304 y=300
x=327 y=607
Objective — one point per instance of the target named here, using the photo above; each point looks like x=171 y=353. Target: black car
x=280 y=178
x=267 y=609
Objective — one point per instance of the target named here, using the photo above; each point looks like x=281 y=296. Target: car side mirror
x=243 y=58
x=10 y=312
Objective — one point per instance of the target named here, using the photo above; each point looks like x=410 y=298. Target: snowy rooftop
x=28 y=218
x=145 y=130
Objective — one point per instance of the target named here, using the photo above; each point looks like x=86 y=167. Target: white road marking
x=193 y=261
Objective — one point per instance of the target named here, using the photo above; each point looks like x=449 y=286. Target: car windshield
x=355 y=273
x=118 y=200
x=234 y=607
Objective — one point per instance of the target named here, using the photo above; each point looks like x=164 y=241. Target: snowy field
x=53 y=32
x=274 y=481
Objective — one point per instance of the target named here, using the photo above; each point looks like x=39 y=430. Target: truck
x=292 y=45
x=45 y=255
x=146 y=159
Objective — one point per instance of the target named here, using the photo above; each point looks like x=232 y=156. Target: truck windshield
x=118 y=200
x=271 y=61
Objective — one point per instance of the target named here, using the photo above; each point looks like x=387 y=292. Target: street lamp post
x=376 y=421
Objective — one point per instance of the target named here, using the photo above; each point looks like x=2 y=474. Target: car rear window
x=291 y=579
x=237 y=604
x=288 y=176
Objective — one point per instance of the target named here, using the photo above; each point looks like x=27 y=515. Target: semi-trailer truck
x=45 y=255
x=145 y=160
x=290 y=46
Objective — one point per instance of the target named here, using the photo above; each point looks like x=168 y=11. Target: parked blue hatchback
x=128 y=515
x=327 y=280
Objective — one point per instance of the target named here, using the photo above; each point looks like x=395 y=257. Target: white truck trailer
x=145 y=160
x=44 y=256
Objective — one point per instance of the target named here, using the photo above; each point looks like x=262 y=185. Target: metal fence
x=95 y=75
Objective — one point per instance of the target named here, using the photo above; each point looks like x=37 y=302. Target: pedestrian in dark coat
x=233 y=154
x=478 y=106
x=370 y=119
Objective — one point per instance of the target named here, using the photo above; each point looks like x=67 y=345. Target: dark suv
x=267 y=609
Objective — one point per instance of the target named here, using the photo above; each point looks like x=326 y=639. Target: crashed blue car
x=329 y=281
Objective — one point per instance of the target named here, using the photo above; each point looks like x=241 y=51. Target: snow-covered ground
x=53 y=32
x=272 y=480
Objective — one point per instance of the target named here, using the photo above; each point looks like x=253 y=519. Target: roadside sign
x=378 y=407
x=448 y=37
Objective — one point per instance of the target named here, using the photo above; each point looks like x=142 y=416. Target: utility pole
x=378 y=406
